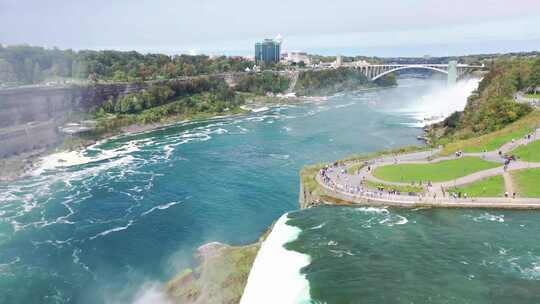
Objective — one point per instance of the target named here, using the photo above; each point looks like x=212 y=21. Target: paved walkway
x=338 y=182
x=508 y=183
x=521 y=98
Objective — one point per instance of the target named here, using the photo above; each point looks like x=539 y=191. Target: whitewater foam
x=160 y=207
x=77 y=259
x=77 y=158
x=392 y=221
x=275 y=276
x=318 y=226
x=373 y=210
x=115 y=229
x=489 y=217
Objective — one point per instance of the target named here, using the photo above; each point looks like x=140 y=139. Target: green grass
x=532 y=96
x=495 y=140
x=307 y=178
x=369 y=156
x=403 y=189
x=489 y=187
x=527 y=182
x=435 y=172
x=530 y=152
x=308 y=173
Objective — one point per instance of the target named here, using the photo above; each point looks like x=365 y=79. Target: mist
x=150 y=293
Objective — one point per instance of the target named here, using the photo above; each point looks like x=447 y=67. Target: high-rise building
x=268 y=51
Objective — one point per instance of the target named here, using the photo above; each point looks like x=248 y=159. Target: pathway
x=508 y=185
x=338 y=182
x=521 y=98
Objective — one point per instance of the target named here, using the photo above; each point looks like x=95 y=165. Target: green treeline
x=33 y=65
x=160 y=94
x=197 y=105
x=492 y=105
x=159 y=102
x=262 y=83
x=330 y=81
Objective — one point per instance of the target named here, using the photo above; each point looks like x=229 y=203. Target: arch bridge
x=452 y=69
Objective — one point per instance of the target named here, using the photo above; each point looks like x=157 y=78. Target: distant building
x=268 y=51
x=297 y=57
x=361 y=63
x=339 y=61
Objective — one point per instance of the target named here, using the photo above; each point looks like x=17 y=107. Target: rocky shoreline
x=20 y=166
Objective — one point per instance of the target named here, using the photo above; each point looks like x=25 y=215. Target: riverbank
x=20 y=166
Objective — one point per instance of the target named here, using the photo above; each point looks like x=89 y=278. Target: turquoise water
x=136 y=212
x=370 y=255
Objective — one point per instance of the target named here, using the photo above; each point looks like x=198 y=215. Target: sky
x=348 y=27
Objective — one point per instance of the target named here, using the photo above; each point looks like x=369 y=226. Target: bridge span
x=453 y=69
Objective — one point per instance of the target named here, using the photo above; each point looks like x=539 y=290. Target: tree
x=119 y=76
x=144 y=71
x=534 y=80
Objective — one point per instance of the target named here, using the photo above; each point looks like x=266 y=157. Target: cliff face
x=310 y=192
x=307 y=198
x=30 y=117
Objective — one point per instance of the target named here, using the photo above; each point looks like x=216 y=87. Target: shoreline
x=17 y=167
x=24 y=164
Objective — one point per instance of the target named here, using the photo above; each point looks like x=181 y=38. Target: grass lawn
x=489 y=187
x=495 y=140
x=527 y=182
x=307 y=178
x=403 y=189
x=530 y=152
x=536 y=96
x=435 y=172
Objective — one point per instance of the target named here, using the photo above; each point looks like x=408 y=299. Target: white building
x=339 y=61
x=361 y=63
x=297 y=57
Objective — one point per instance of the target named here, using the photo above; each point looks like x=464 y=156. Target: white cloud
x=218 y=25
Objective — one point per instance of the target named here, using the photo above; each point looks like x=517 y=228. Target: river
x=131 y=210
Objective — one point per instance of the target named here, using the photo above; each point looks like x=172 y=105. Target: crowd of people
x=342 y=184
x=335 y=177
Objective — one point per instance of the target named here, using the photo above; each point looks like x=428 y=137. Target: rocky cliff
x=30 y=116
